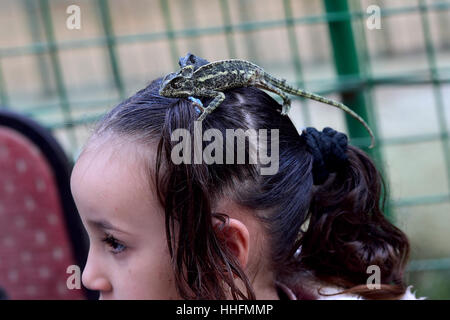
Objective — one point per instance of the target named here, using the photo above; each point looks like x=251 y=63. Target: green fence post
x=190 y=19
x=169 y=31
x=366 y=68
x=4 y=101
x=57 y=72
x=30 y=8
x=248 y=38
x=295 y=56
x=228 y=29
x=347 y=64
x=437 y=92
x=111 y=41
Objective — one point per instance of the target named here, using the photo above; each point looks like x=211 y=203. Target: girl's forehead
x=100 y=164
x=118 y=156
x=111 y=179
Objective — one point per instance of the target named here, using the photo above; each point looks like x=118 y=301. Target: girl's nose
x=94 y=277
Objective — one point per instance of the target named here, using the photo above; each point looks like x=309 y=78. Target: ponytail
x=347 y=231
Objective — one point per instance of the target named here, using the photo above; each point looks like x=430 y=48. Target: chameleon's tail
x=298 y=92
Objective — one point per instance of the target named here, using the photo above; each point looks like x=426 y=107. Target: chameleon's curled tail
x=298 y=92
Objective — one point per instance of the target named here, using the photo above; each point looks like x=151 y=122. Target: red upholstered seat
x=35 y=247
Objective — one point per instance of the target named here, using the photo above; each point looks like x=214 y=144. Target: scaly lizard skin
x=211 y=79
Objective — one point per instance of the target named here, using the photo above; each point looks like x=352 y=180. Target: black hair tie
x=328 y=148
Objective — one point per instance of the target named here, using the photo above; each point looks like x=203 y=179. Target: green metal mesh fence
x=397 y=77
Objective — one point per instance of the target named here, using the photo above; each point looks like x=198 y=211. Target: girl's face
x=128 y=256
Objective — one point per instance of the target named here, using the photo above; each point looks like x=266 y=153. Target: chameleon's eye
x=176 y=83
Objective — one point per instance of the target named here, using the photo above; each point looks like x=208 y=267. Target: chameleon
x=195 y=79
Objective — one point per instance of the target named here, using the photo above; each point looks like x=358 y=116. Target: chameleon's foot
x=286 y=107
x=198 y=105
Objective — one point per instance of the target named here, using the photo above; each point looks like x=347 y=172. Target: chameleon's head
x=178 y=84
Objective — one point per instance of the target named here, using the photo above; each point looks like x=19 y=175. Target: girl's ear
x=236 y=237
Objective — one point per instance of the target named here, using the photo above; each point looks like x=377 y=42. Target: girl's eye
x=116 y=246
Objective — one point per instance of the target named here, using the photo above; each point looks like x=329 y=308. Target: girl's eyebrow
x=104 y=225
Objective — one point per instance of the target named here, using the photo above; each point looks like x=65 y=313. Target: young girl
x=160 y=230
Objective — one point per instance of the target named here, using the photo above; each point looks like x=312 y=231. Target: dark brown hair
x=346 y=232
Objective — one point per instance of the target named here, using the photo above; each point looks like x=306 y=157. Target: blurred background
x=395 y=74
